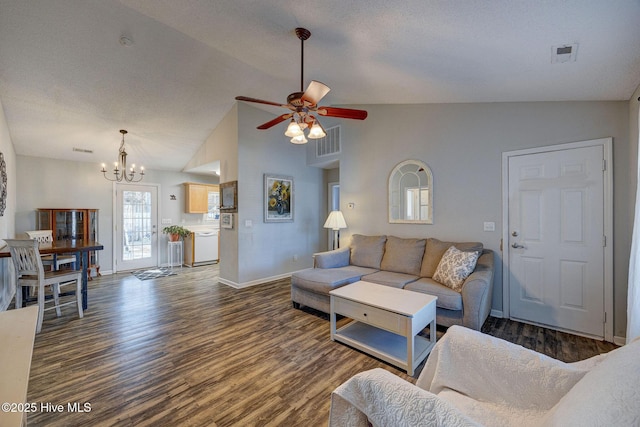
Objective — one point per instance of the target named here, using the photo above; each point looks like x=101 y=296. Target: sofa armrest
x=489 y=369
x=332 y=259
x=477 y=292
x=387 y=400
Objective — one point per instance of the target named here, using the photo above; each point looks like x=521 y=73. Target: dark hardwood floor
x=186 y=350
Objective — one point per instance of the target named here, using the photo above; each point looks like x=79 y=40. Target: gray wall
x=463 y=145
x=274 y=249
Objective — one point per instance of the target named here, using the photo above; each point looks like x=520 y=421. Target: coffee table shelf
x=384 y=345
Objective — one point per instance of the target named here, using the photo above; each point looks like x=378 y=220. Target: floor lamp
x=335 y=221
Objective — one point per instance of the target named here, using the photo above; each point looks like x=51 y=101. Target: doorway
x=333 y=204
x=558 y=237
x=136 y=227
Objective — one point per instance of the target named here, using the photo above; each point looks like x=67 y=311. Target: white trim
x=496 y=313
x=619 y=340
x=255 y=282
x=607 y=145
x=114 y=259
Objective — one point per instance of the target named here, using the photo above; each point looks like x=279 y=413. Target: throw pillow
x=436 y=248
x=454 y=267
x=367 y=251
x=403 y=255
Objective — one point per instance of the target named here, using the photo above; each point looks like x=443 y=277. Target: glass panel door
x=136 y=227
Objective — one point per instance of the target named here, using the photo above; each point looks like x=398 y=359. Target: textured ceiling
x=66 y=81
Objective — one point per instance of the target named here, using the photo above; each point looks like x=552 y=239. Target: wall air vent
x=330 y=144
x=564 y=53
x=82 y=150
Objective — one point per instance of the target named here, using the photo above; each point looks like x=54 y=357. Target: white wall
x=48 y=183
x=462 y=144
x=632 y=160
x=7 y=219
x=222 y=146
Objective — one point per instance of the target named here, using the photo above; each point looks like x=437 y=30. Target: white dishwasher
x=201 y=247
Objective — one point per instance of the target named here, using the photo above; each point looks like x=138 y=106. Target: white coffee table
x=386 y=322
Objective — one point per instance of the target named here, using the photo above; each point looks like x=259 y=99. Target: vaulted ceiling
x=68 y=78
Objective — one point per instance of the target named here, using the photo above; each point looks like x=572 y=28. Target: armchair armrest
x=332 y=259
x=387 y=400
x=489 y=369
x=477 y=291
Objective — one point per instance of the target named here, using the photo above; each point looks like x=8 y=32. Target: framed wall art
x=229 y=197
x=278 y=198
x=226 y=220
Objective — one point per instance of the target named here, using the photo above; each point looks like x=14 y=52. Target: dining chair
x=55 y=261
x=29 y=272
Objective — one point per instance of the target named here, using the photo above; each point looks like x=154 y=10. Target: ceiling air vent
x=82 y=150
x=564 y=53
x=330 y=144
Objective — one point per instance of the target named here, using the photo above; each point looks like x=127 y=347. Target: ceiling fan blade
x=275 y=121
x=315 y=92
x=345 y=113
x=260 y=101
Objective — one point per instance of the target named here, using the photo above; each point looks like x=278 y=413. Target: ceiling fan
x=304 y=107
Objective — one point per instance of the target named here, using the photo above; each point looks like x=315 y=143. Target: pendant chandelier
x=120 y=171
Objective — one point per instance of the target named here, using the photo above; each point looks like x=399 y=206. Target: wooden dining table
x=80 y=248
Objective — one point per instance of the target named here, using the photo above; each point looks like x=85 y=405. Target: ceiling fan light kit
x=304 y=104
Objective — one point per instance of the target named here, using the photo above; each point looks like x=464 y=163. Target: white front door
x=556 y=239
x=136 y=223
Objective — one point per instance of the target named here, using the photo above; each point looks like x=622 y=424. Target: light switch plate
x=490 y=226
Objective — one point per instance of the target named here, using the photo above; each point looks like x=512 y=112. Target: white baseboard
x=619 y=340
x=253 y=282
x=496 y=313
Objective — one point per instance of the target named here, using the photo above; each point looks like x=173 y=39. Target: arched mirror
x=411 y=193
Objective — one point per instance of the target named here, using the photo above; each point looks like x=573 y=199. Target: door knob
x=514 y=234
x=517 y=246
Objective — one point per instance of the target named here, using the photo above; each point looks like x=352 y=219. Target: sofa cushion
x=390 y=278
x=436 y=248
x=403 y=255
x=447 y=297
x=324 y=280
x=454 y=267
x=367 y=251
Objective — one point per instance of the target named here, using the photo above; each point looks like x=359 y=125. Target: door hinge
x=605 y=317
x=604 y=241
x=604 y=165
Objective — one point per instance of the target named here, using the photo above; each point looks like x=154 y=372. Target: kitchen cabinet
x=197 y=197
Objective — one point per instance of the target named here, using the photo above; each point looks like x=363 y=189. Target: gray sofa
x=402 y=263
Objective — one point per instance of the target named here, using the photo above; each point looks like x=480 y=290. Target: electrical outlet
x=166 y=220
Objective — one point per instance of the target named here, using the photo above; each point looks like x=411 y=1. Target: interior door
x=556 y=239
x=136 y=230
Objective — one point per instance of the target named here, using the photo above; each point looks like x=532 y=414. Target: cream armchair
x=473 y=379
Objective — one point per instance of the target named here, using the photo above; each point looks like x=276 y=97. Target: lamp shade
x=335 y=221
x=316 y=131
x=293 y=129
